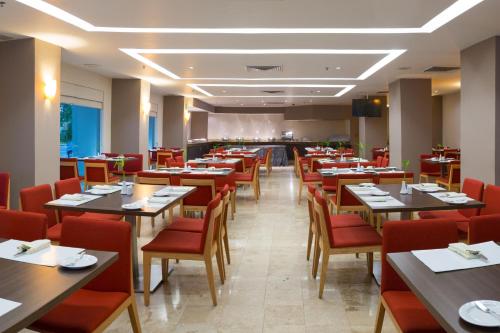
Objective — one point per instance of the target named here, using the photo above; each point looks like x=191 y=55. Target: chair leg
x=146 y=265
x=309 y=241
x=300 y=191
x=226 y=246
x=220 y=264
x=164 y=270
x=256 y=192
x=138 y=226
x=369 y=262
x=317 y=253
x=233 y=204
x=210 y=277
x=170 y=215
x=152 y=222
x=322 y=277
x=379 y=321
x=134 y=316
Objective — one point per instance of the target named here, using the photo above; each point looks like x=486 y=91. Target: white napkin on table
x=32 y=247
x=73 y=197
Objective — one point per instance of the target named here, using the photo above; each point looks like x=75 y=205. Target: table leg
x=156 y=277
x=406 y=215
x=444 y=169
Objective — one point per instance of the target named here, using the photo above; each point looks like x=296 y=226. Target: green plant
x=361 y=149
x=405 y=164
x=439 y=146
x=326 y=144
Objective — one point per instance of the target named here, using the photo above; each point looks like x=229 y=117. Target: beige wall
x=199 y=125
x=80 y=86
x=270 y=125
x=437 y=120
x=373 y=132
x=451 y=120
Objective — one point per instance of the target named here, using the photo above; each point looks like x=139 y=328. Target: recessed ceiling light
x=318 y=91
x=390 y=55
x=190 y=68
x=451 y=12
x=436 y=91
x=224 y=91
x=338 y=68
x=242 y=104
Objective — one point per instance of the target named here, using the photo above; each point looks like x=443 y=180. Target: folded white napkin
x=159 y=199
x=73 y=197
x=32 y=247
x=456 y=195
x=429 y=185
x=104 y=187
x=464 y=250
x=375 y=199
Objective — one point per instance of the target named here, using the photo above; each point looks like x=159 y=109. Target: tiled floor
x=269 y=287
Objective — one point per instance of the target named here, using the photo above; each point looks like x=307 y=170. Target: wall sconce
x=50 y=89
x=146 y=107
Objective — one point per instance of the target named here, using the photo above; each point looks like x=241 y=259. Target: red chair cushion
x=186 y=224
x=33 y=199
x=356 y=236
x=443 y=214
x=409 y=313
x=82 y=312
x=329 y=188
x=346 y=221
x=176 y=241
x=242 y=177
x=492 y=200
x=312 y=177
x=54 y=232
x=98 y=216
x=484 y=228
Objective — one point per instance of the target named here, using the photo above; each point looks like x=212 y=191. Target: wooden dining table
x=444 y=293
x=40 y=288
x=444 y=163
x=112 y=204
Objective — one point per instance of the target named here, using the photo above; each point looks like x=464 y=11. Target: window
x=152 y=132
x=80 y=130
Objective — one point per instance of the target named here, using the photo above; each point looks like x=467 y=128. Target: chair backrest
x=5 y=190
x=428 y=167
x=484 y=228
x=379 y=161
x=395 y=177
x=135 y=164
x=240 y=167
x=111 y=154
x=454 y=173
x=153 y=178
x=403 y=236
x=23 y=226
x=311 y=191
x=68 y=168
x=96 y=171
x=344 y=197
x=179 y=159
x=67 y=186
x=33 y=198
x=211 y=223
x=385 y=162
x=322 y=217
x=269 y=154
x=225 y=197
x=491 y=198
x=161 y=158
x=474 y=189
x=103 y=235
x=205 y=189
x=221 y=181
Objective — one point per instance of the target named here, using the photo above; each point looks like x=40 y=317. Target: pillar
x=29 y=113
x=373 y=130
x=410 y=121
x=479 y=120
x=199 y=125
x=176 y=121
x=130 y=107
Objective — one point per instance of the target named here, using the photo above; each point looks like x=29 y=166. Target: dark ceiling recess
x=267 y=68
x=273 y=92
x=441 y=69
x=383 y=92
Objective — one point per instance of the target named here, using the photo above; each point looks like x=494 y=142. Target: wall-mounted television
x=371 y=107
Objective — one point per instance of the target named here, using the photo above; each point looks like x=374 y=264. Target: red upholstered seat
x=355 y=237
x=186 y=224
x=90 y=307
x=242 y=177
x=346 y=220
x=492 y=200
x=443 y=214
x=176 y=241
x=484 y=229
x=54 y=232
x=81 y=312
x=22 y=225
x=329 y=188
x=68 y=168
x=410 y=314
x=205 y=189
x=4 y=190
x=134 y=165
x=3 y=207
x=312 y=177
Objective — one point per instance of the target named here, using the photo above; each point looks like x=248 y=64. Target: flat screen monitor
x=366 y=107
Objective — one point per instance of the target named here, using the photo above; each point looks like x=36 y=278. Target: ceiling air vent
x=269 y=68
x=441 y=69
x=273 y=92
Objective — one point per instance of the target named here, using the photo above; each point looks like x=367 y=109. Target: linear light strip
x=152 y=64
x=195 y=87
x=448 y=14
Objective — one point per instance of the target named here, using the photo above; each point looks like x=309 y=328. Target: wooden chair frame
x=223 y=236
x=196 y=182
x=312 y=226
x=211 y=248
x=73 y=164
x=268 y=162
x=166 y=155
x=449 y=185
x=101 y=166
x=336 y=207
x=323 y=245
x=302 y=182
x=254 y=183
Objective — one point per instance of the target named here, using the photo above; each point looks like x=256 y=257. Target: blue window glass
x=80 y=131
x=152 y=132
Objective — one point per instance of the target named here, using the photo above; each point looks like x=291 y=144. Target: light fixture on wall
x=50 y=89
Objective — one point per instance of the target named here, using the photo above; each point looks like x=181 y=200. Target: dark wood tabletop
x=40 y=288
x=198 y=171
x=444 y=293
x=112 y=203
x=417 y=201
x=368 y=172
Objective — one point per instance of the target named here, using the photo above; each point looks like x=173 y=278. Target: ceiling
x=328 y=51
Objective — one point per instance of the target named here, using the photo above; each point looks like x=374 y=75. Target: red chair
x=170 y=244
x=68 y=168
x=32 y=200
x=407 y=312
x=220 y=182
x=251 y=178
x=132 y=166
x=310 y=178
x=112 y=166
x=484 y=229
x=4 y=191
x=378 y=162
x=267 y=161
x=162 y=157
x=298 y=160
x=452 y=181
x=385 y=162
x=72 y=186
x=179 y=159
x=22 y=226
x=394 y=178
x=171 y=163
x=428 y=170
x=331 y=241
x=474 y=189
x=97 y=172
x=199 y=199
x=492 y=200
x=343 y=200
x=96 y=305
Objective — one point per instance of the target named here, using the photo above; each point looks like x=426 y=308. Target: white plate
x=74 y=262
x=430 y=189
x=132 y=206
x=455 y=201
x=98 y=191
x=471 y=314
x=367 y=184
x=379 y=193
